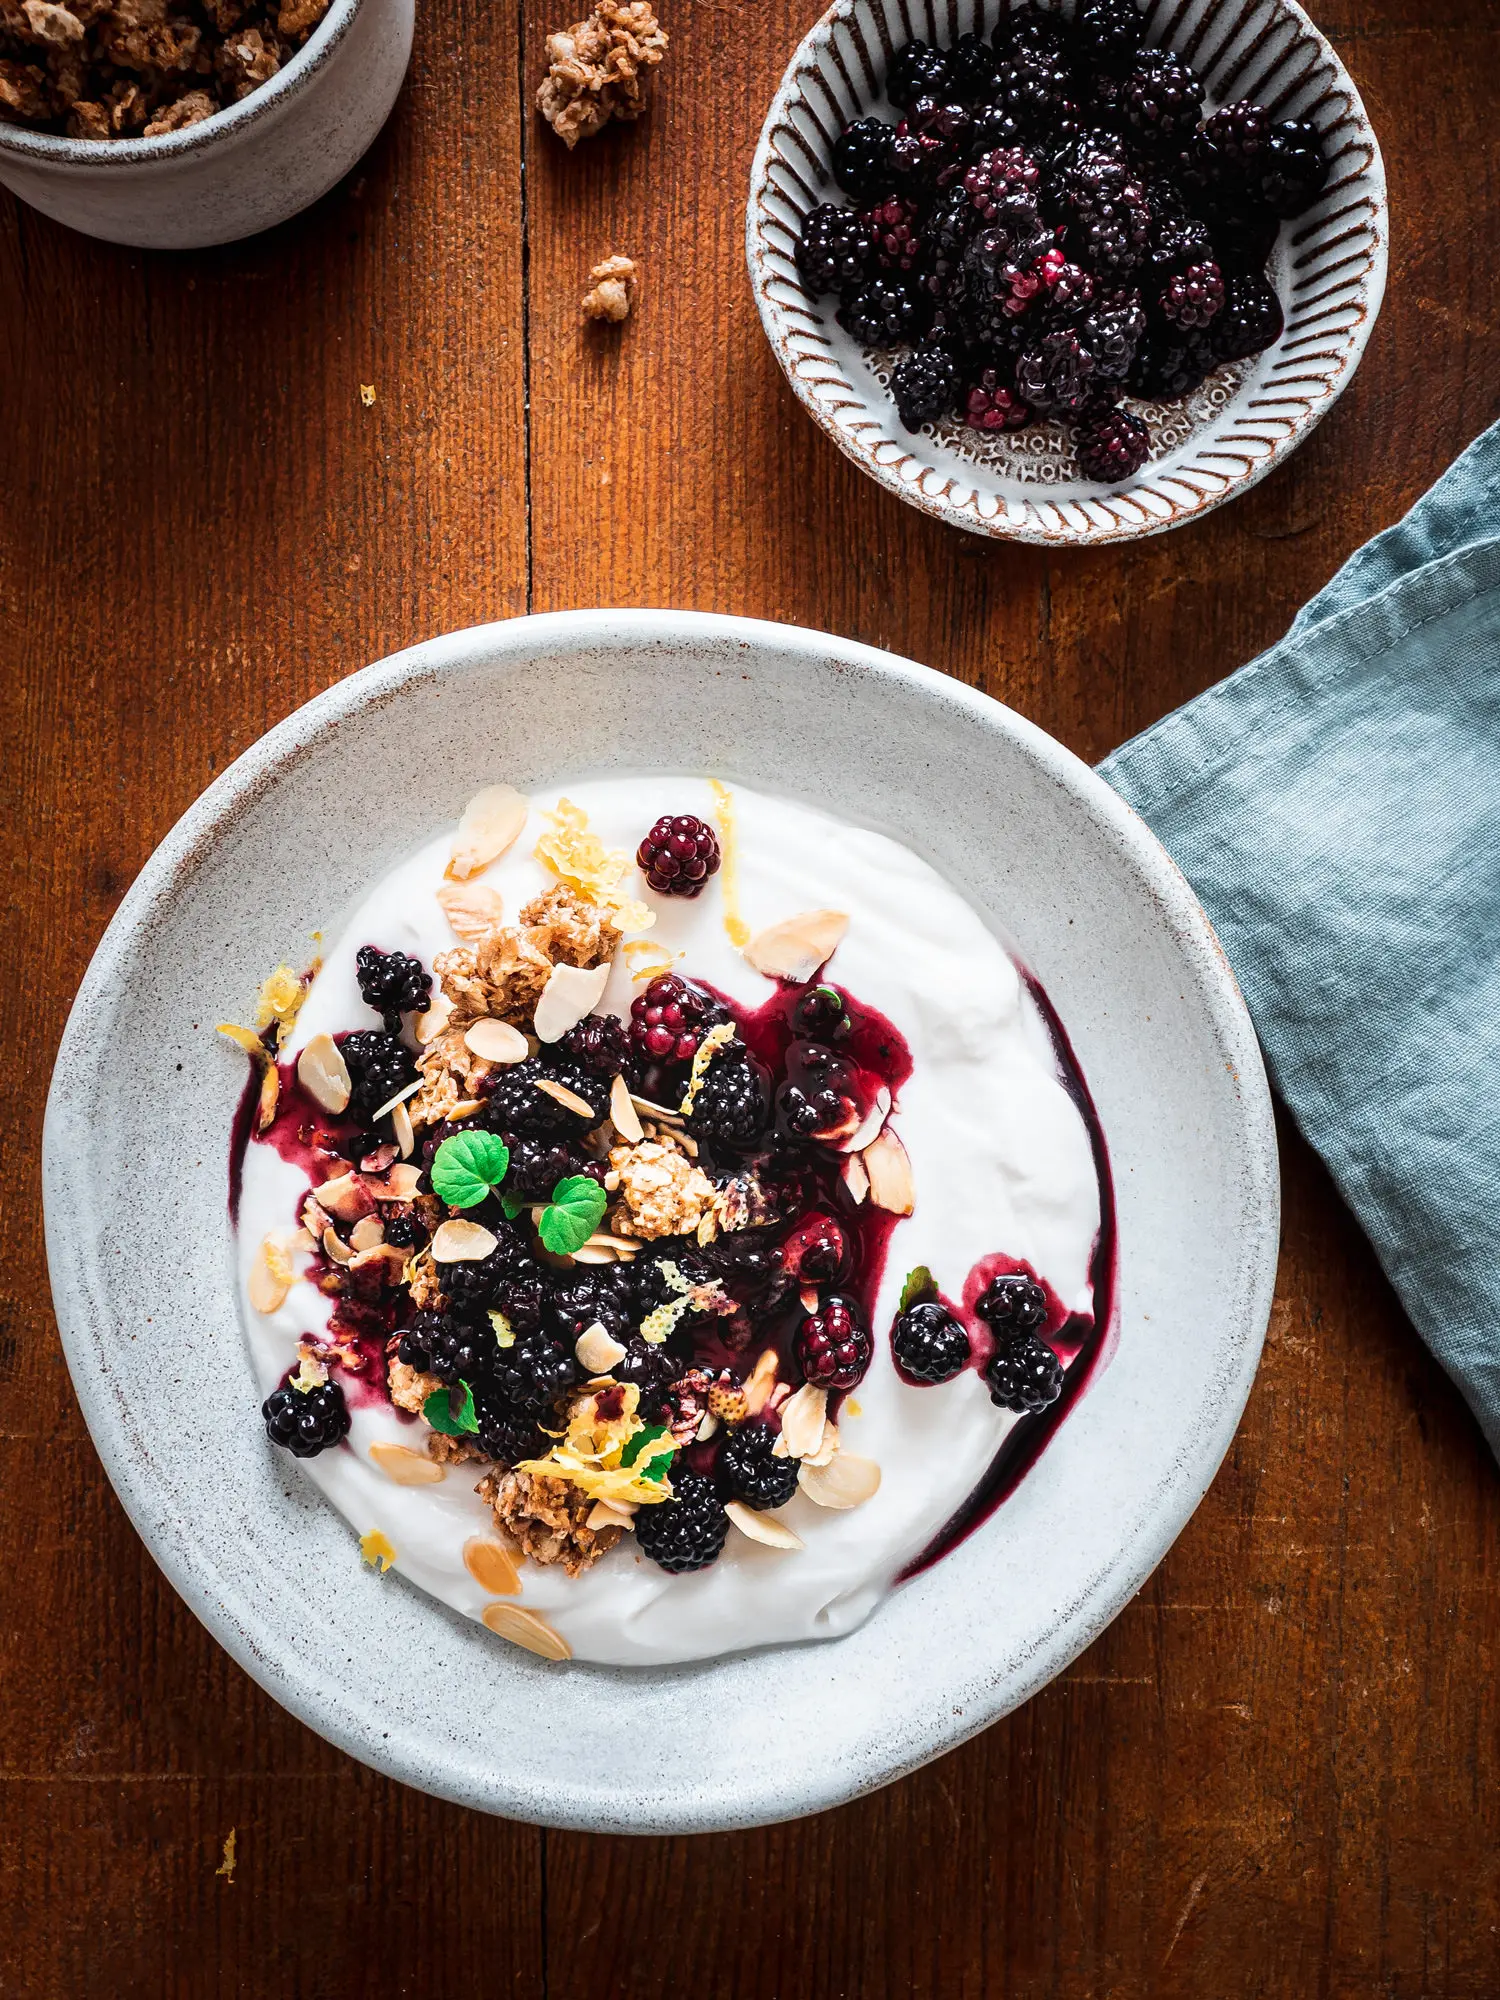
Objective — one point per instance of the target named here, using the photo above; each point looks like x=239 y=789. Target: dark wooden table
x=1276 y=1774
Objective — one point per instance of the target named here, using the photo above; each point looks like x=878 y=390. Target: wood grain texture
x=1275 y=1774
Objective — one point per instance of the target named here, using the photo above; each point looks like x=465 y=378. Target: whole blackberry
x=1291 y=171
x=1024 y=1374
x=506 y=1434
x=379 y=1067
x=748 y=1469
x=678 y=855
x=403 y=1227
x=990 y=404
x=667 y=1022
x=1053 y=374
x=517 y=1107
x=992 y=126
x=415 y=1348
x=392 y=984
x=461 y=1350
x=533 y=1373
x=925 y=386
x=1160 y=99
x=918 y=70
x=973 y=73
x=1030 y=30
x=1063 y=288
x=588 y=1296
x=1177 y=239
x=473 y=1285
x=833 y=251
x=306 y=1421
x=1004 y=185
x=686 y=1532
x=522 y=1296
x=833 y=1345
x=651 y=1368
x=1112 y=444
x=1192 y=297
x=1112 y=331
x=1109 y=214
x=1230 y=142
x=733 y=1105
x=892 y=228
x=1035 y=87
x=1244 y=242
x=931 y=143
x=1107 y=33
x=950 y=223
x=1168 y=367
x=862 y=159
x=1250 y=321
x=1012 y=1304
x=822 y=1016
x=537 y=1165
x=929 y=1344
x=600 y=1043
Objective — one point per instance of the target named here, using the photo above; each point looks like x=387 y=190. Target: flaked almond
x=406 y=1467
x=624 y=1246
x=846 y=1481
x=335 y=1249
x=869 y=1127
x=855 y=1178
x=324 y=1075
x=708 y=1425
x=366 y=1233
x=391 y=1103
x=797 y=946
x=623 y=1114
x=492 y=1566
x=472 y=910
x=660 y=1112
x=465 y=1108
x=596 y=1351
x=612 y=1514
x=427 y=1027
x=762 y=1527
x=569 y=995
x=827 y=1449
x=269 y=1098
x=809 y=1297
x=495 y=1041
x=347 y=1197
x=313 y=1218
x=890 y=1175
x=586 y=1253
x=491 y=823
x=762 y=1381
x=460 y=1242
x=568 y=1099
x=803 y=1421
x=271 y=1276
x=397 y=1183
x=385 y=1254
x=406 y=1138
x=524 y=1628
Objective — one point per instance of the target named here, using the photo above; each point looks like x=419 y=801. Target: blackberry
x=1192 y=297
x=1064 y=288
x=1244 y=242
x=517 y=1107
x=667 y=1022
x=929 y=1344
x=1112 y=445
x=925 y=386
x=833 y=250
x=751 y=1473
x=949 y=225
x=1030 y=30
x=600 y=1043
x=1034 y=87
x=1053 y=373
x=862 y=159
x=816 y=1101
x=537 y=1165
x=379 y=1067
x=1024 y=1375
x=306 y=1421
x=821 y=1015
x=1004 y=185
x=678 y=855
x=1109 y=214
x=403 y=1226
x=651 y=1368
x=522 y=1296
x=686 y=1532
x=1168 y=367
x=817 y=1250
x=1250 y=321
x=930 y=143
x=992 y=125
x=533 y=1373
x=991 y=405
x=833 y=1345
x=918 y=70
x=507 y=1434
x=1291 y=171
x=1012 y=1304
x=461 y=1350
x=1112 y=332
x=591 y=1296
x=1230 y=142
x=733 y=1105
x=973 y=73
x=1160 y=99
x=392 y=985
x=474 y=1285
x=1177 y=239
x=894 y=242
x=415 y=1347
x=1107 y=33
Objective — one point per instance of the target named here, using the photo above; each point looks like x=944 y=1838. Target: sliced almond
x=271 y=1276
x=708 y=1425
x=612 y=1514
x=472 y=909
x=401 y=1125
x=313 y=1218
x=460 y=1242
x=569 y=995
x=465 y=1108
x=596 y=1351
x=347 y=1197
x=568 y=1099
x=335 y=1249
x=890 y=1175
x=827 y=1450
x=270 y=1096
x=797 y=946
x=762 y=1527
x=400 y=1098
x=492 y=1566
x=803 y=1421
x=524 y=1628
x=495 y=1041
x=869 y=1127
x=492 y=821
x=809 y=1298
x=324 y=1075
x=623 y=1114
x=589 y=1253
x=846 y=1481
x=762 y=1380
x=660 y=1112
x=397 y=1183
x=367 y=1232
x=406 y=1467
x=855 y=1177
x=625 y=1246
x=387 y=1254
x=428 y=1026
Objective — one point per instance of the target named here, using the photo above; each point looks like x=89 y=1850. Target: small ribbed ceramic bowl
x=1328 y=269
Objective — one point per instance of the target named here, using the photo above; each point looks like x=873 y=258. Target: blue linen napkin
x=1336 y=806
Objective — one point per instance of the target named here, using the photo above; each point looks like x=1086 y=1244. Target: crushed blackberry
x=652 y=1370
x=1169 y=366
x=1251 y=320
x=926 y=386
x=929 y=1344
x=306 y=1421
x=533 y=1373
x=892 y=229
x=1053 y=374
x=590 y=1296
x=833 y=1345
x=1012 y=1304
x=1160 y=99
x=816 y=1101
x=678 y=855
x=1192 y=297
x=733 y=1105
x=667 y=1022
x=380 y=1066
x=817 y=1250
x=1024 y=1375
x=991 y=404
x=1291 y=170
x=917 y=70
x=862 y=159
x=1107 y=33
x=1112 y=444
x=751 y=1473
x=537 y=1165
x=1004 y=185
x=833 y=251
x=403 y=1226
x=507 y=1434
x=931 y=144
x=392 y=984
x=686 y=1532
x=600 y=1043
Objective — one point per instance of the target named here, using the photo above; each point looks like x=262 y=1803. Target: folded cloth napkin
x=1336 y=806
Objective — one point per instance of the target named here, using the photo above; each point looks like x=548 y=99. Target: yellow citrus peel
x=580 y=858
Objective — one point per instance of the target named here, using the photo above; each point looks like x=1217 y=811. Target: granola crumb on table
x=597 y=69
x=614 y=288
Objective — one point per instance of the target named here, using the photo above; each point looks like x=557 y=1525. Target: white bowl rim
x=56 y=149
x=212 y=1591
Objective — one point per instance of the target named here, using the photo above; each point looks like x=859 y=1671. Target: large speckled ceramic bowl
x=137 y=1142
x=1328 y=270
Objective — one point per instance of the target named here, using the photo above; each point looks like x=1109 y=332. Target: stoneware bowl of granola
x=1067 y=270
x=176 y=123
x=778 y=1229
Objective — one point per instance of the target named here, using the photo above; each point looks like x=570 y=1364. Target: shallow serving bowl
x=138 y=1126
x=1328 y=270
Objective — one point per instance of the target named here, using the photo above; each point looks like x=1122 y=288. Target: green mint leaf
x=920 y=1284
x=573 y=1214
x=467 y=1166
x=514 y=1204
x=441 y=1414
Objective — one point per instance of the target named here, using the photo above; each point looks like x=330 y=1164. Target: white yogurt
x=1001 y=1160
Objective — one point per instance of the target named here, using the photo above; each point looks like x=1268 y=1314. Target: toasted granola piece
x=443 y=1450
x=296 y=19
x=613 y=293
x=658 y=1189
x=245 y=61
x=153 y=48
x=190 y=109
x=502 y=977
x=425 y=1286
x=87 y=120
x=570 y=929
x=57 y=26
x=547 y=1519
x=597 y=69
x=410 y=1387
x=23 y=93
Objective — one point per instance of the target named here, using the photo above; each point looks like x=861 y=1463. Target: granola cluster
x=612 y=289
x=125 y=69
x=659 y=1191
x=597 y=69
x=547 y=1519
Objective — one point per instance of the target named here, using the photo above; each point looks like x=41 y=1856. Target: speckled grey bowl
x=136 y=1148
